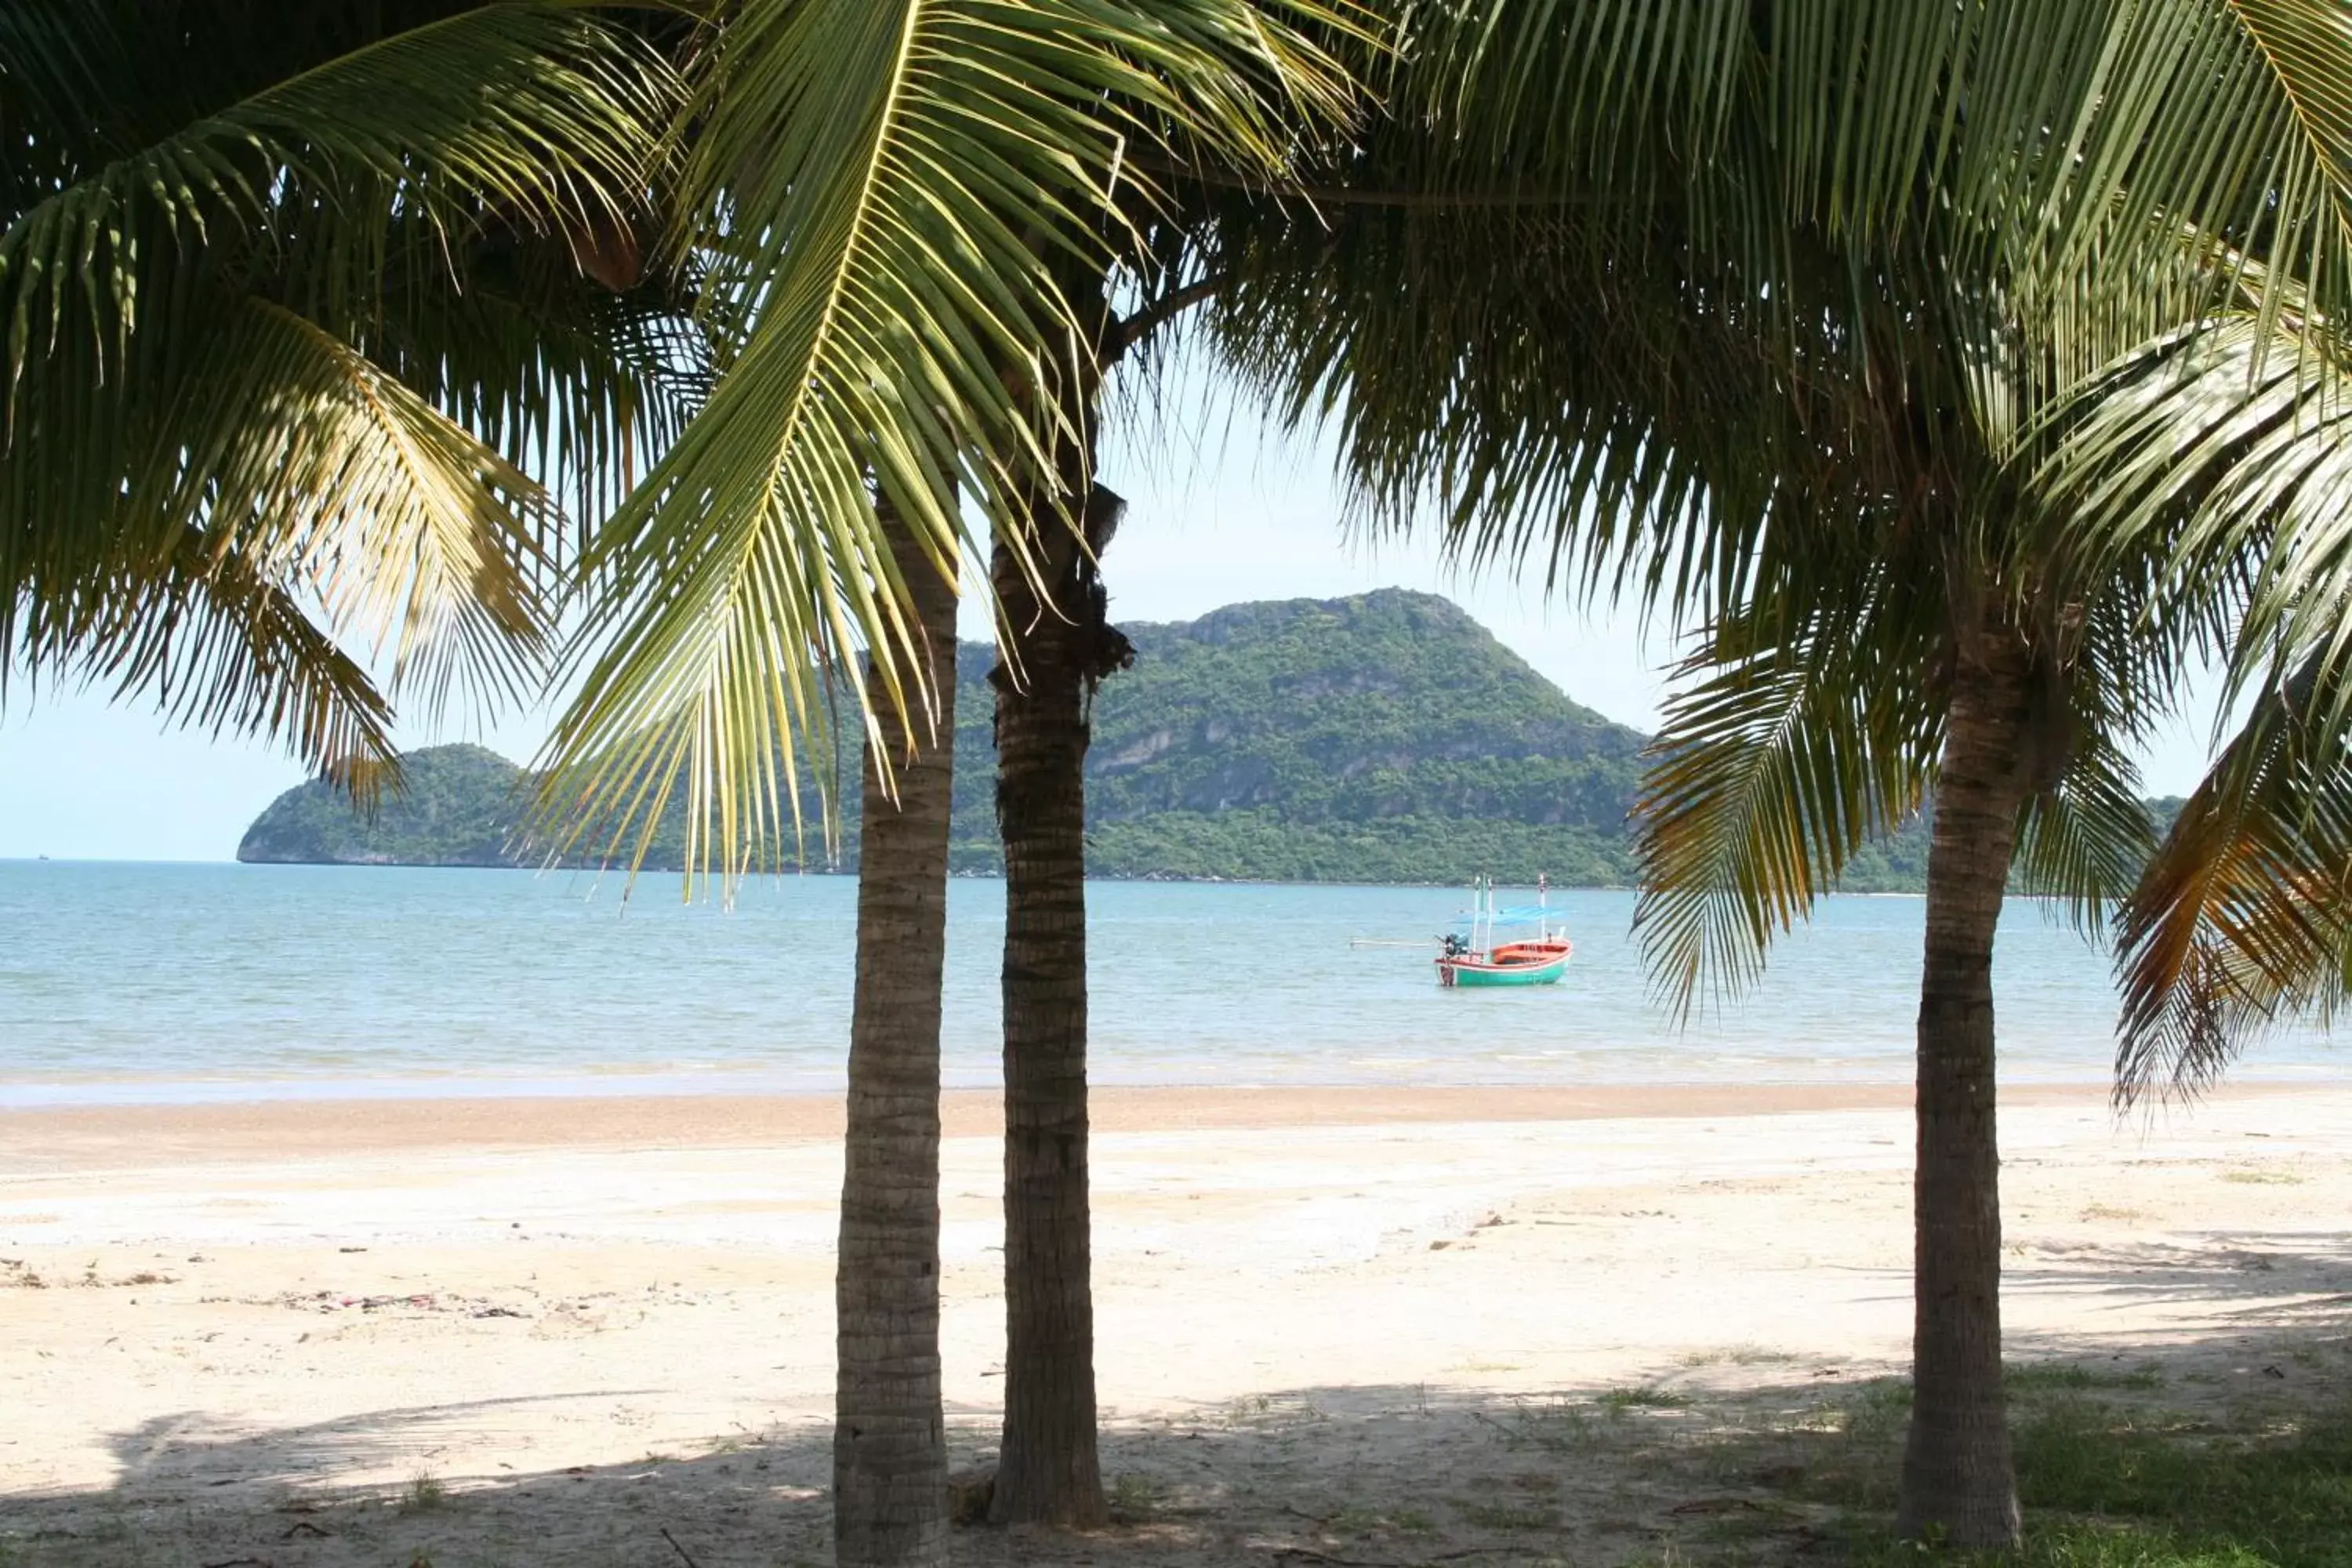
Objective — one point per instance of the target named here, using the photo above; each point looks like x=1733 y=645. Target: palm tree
x=1812 y=386
x=1883 y=642
x=298 y=300
x=884 y=193
x=1062 y=647
x=1049 y=1469
x=755 y=539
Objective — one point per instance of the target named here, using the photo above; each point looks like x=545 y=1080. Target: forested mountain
x=457 y=805
x=1382 y=738
x=1386 y=737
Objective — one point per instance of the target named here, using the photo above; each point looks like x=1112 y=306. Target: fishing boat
x=1476 y=957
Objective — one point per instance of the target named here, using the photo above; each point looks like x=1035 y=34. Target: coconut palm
x=886 y=196
x=1049 y=1469
x=1815 y=392
x=848 y=212
x=298 y=299
x=1062 y=648
x=1884 y=643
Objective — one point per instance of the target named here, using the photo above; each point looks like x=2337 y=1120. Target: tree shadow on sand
x=1743 y=1454
x=2268 y=1269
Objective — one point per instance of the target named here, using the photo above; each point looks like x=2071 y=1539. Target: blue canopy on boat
x=1522 y=915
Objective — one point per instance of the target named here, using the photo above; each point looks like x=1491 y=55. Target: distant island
x=1386 y=737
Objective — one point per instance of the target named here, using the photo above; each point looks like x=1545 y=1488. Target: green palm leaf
x=228 y=650
x=534 y=111
x=2085 y=174
x=2244 y=919
x=239 y=304
x=2085 y=840
x=1784 y=757
x=888 y=187
x=308 y=467
x=2227 y=456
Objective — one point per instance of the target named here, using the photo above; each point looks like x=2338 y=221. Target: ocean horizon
x=192 y=982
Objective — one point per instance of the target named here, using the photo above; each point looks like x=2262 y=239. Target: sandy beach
x=599 y=1331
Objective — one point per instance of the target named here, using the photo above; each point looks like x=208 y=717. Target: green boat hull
x=1464 y=974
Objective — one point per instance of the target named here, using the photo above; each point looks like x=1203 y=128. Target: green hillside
x=457 y=805
x=1386 y=737
x=1382 y=738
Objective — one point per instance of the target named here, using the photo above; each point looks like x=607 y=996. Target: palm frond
x=306 y=467
x=2226 y=455
x=221 y=648
x=2234 y=118
x=1771 y=770
x=2065 y=146
x=1817 y=189
x=2085 y=841
x=213 y=240
x=1552 y=402
x=2120 y=643
x=1550 y=103
x=2244 y=919
x=582 y=384
x=537 y=114
x=411 y=531
x=891 y=185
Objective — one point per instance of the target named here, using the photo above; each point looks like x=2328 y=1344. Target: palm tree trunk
x=1959 y=1479
x=1049 y=1467
x=889 y=1444
x=1049 y=1470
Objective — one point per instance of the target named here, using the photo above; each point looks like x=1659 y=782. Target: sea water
x=127 y=982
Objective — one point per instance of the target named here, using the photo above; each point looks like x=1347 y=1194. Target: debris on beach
x=420 y=1301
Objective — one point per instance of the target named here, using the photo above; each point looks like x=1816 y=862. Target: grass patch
x=1617 y=1401
x=2068 y=1377
x=1134 y=1499
x=1739 y=1355
x=1555 y=1426
x=1850 y=1448
x=1505 y=1516
x=2105 y=1485
x=2125 y=1489
x=425 y=1494
x=2262 y=1178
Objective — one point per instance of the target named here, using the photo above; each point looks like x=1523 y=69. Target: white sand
x=202 y=1352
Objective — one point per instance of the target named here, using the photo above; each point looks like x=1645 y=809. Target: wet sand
x=87 y=1137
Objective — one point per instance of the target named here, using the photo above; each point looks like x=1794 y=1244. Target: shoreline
x=49 y=1139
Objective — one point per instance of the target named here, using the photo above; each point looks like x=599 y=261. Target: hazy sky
x=1211 y=519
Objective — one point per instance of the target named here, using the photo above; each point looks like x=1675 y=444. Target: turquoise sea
x=127 y=982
